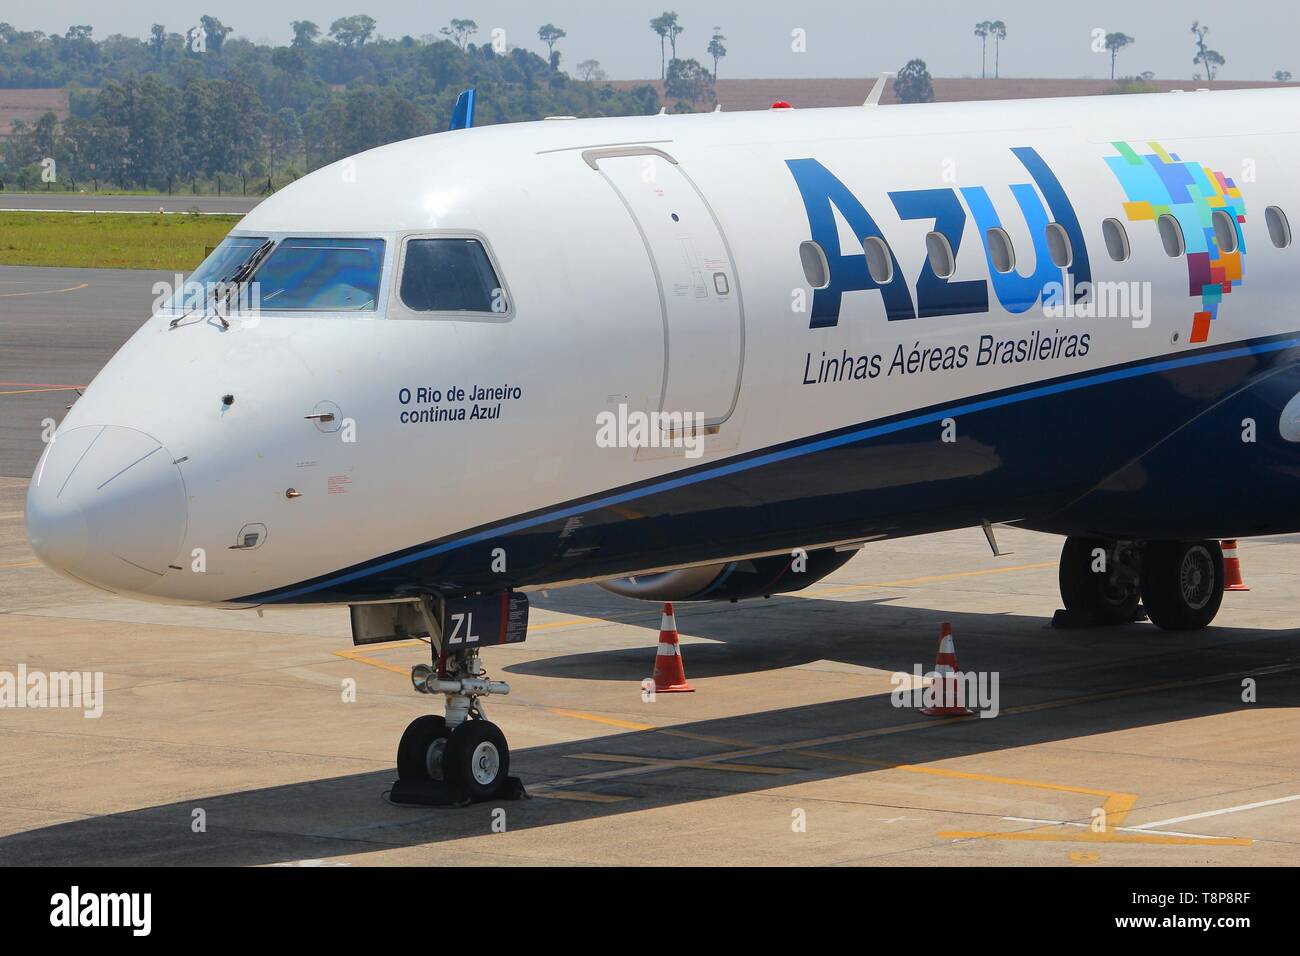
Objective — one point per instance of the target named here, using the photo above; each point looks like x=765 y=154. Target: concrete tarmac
x=57 y=329
x=278 y=736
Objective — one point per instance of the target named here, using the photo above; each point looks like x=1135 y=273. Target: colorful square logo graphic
x=1159 y=183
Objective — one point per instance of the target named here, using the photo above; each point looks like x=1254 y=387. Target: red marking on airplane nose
x=781 y=105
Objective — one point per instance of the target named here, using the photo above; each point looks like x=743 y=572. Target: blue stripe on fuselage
x=801 y=447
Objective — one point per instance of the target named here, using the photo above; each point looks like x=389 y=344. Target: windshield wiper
x=238 y=275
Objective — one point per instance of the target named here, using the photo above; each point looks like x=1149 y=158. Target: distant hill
x=759 y=94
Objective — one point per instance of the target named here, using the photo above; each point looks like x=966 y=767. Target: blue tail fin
x=462 y=117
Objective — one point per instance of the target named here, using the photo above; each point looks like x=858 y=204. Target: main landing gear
x=461 y=756
x=1179 y=583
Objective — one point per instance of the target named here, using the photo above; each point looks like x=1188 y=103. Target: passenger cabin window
x=938 y=251
x=1279 y=230
x=450 y=275
x=329 y=275
x=880 y=261
x=1001 y=252
x=1058 y=244
x=1171 y=236
x=815 y=268
x=1112 y=230
x=1225 y=230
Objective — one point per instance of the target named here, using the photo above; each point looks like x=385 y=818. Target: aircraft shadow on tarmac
x=784 y=631
x=1055 y=686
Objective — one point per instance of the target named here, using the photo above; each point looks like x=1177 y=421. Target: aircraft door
x=699 y=293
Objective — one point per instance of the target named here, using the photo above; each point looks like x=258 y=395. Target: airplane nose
x=107 y=506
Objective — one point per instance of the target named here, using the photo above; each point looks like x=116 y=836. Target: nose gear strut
x=460 y=757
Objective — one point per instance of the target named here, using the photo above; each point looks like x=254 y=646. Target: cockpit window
x=450 y=275
x=233 y=252
x=331 y=275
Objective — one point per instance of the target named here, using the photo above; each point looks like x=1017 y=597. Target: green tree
x=1282 y=76
x=550 y=34
x=215 y=33
x=674 y=29
x=304 y=33
x=689 y=80
x=459 y=32
x=353 y=32
x=284 y=136
x=912 y=84
x=200 y=115
x=998 y=30
x=1213 y=59
x=158 y=41
x=717 y=50
x=589 y=70
x=663 y=25
x=1210 y=59
x=1114 y=43
x=982 y=30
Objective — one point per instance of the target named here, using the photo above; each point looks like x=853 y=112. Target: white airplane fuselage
x=654 y=264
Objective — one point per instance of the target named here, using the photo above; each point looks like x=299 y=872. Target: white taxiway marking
x=1215 y=813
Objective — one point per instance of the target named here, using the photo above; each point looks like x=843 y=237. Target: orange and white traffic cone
x=947 y=678
x=669 y=676
x=1232 y=567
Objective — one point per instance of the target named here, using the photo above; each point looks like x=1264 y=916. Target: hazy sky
x=845 y=38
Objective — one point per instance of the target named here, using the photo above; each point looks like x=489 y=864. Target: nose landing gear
x=460 y=757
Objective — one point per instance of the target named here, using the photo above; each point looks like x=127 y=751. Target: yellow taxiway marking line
x=1088 y=836
x=1116 y=806
x=387 y=647
x=1119 y=803
x=578 y=795
x=1088 y=826
x=674 y=762
x=354 y=654
x=930 y=578
x=567 y=622
x=71 y=288
x=22 y=564
x=48 y=388
x=597 y=718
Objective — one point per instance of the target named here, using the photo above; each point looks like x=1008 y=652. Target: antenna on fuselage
x=462 y=117
x=877 y=90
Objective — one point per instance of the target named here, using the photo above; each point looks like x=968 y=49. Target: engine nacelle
x=733 y=580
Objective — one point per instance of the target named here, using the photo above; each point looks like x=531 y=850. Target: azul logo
x=1159 y=183
x=823 y=194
